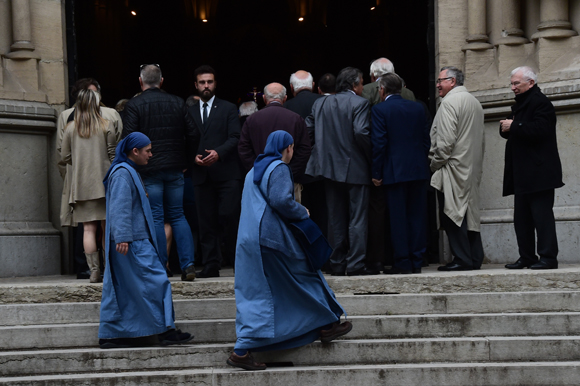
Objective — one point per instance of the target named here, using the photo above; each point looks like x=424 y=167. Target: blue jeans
x=165 y=190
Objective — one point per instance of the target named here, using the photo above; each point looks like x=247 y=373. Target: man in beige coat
x=456 y=157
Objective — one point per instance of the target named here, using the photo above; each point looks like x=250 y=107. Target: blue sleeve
x=280 y=194
x=120 y=202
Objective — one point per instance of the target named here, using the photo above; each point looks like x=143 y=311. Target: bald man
x=271 y=118
x=301 y=85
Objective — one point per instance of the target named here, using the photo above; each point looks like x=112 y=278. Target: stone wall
x=33 y=90
x=488 y=39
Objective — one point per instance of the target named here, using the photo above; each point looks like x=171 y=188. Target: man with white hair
x=246 y=109
x=274 y=117
x=380 y=67
x=456 y=157
x=532 y=171
x=301 y=85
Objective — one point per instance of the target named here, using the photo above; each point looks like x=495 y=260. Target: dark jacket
x=258 y=127
x=221 y=133
x=532 y=162
x=164 y=119
x=340 y=130
x=400 y=141
x=302 y=103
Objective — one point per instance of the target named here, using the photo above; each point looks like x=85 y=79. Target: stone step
x=355 y=305
x=491 y=278
x=365 y=327
x=433 y=374
x=340 y=352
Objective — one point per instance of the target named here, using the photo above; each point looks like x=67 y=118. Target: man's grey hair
x=347 y=77
x=382 y=66
x=151 y=75
x=454 y=72
x=299 y=84
x=527 y=72
x=248 y=108
x=270 y=96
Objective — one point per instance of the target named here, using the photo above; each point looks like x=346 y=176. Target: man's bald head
x=380 y=67
x=301 y=80
x=274 y=92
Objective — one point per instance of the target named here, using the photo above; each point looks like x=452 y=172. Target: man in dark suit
x=274 y=117
x=216 y=174
x=301 y=85
x=327 y=84
x=532 y=171
x=400 y=139
x=339 y=126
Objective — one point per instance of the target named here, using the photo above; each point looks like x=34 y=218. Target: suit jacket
x=371 y=93
x=302 y=103
x=339 y=127
x=532 y=162
x=258 y=127
x=221 y=133
x=400 y=141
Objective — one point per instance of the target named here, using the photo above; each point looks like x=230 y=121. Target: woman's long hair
x=88 y=119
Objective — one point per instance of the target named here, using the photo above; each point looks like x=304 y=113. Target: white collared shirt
x=209 y=104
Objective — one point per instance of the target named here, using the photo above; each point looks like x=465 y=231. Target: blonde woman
x=88 y=145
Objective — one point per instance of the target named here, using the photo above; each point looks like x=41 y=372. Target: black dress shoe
x=520 y=264
x=545 y=264
x=417 y=270
x=208 y=272
x=452 y=267
x=396 y=271
x=364 y=271
x=115 y=343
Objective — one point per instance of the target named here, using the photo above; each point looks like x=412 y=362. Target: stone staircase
x=444 y=338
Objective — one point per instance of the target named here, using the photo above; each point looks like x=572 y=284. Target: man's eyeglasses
x=439 y=80
x=149 y=64
x=516 y=84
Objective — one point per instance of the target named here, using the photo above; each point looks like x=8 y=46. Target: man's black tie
x=204 y=114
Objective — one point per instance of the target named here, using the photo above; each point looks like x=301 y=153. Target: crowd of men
x=365 y=157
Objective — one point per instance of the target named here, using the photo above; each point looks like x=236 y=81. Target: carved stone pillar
x=22 y=47
x=554 y=20
x=512 y=34
x=476 y=25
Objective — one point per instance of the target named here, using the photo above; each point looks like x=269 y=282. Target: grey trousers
x=347 y=224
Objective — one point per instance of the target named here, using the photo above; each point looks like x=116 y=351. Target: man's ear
x=141 y=83
x=161 y=83
x=285 y=97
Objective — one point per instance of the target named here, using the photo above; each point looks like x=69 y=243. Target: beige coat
x=90 y=159
x=65 y=170
x=456 y=155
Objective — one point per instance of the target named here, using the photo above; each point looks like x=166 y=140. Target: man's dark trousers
x=407 y=203
x=466 y=246
x=533 y=213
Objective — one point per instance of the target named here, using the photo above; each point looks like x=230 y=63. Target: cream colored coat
x=90 y=159
x=456 y=155
x=65 y=170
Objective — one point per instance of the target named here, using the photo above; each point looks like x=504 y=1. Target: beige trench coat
x=65 y=170
x=456 y=155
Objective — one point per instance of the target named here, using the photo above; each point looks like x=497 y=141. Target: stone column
x=476 y=25
x=512 y=34
x=554 y=21
x=22 y=47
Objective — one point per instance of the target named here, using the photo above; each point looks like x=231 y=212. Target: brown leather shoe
x=245 y=362
x=336 y=331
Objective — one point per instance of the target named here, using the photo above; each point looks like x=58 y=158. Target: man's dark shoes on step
x=115 y=343
x=188 y=274
x=245 y=362
x=546 y=264
x=453 y=267
x=521 y=264
x=363 y=272
x=208 y=271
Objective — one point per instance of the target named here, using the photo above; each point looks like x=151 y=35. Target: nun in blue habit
x=136 y=300
x=281 y=301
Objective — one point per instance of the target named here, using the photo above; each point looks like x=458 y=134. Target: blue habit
x=136 y=297
x=281 y=301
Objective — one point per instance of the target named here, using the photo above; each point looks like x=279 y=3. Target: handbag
x=309 y=236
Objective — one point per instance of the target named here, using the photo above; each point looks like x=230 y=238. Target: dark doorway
x=249 y=43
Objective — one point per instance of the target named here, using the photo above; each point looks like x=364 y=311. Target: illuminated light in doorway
x=372 y=8
x=133 y=13
x=300 y=19
x=204 y=20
